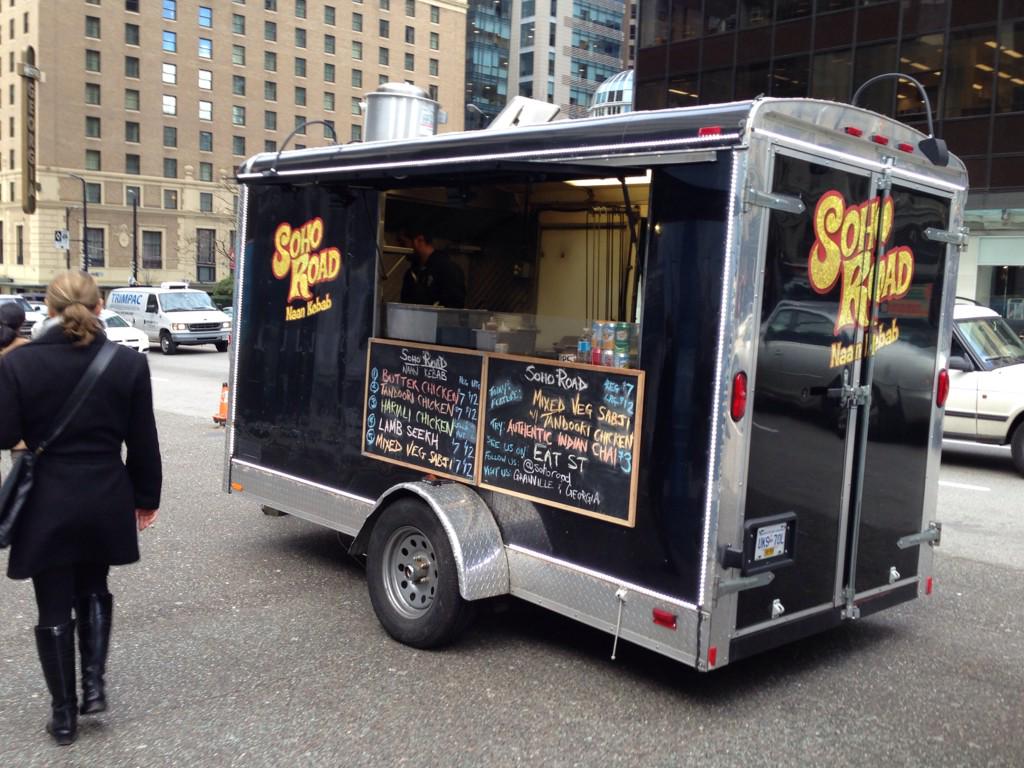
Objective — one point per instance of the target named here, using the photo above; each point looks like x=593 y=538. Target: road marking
x=964 y=486
x=157 y=378
x=766 y=429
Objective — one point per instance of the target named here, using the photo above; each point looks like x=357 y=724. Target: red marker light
x=663 y=618
x=712 y=656
x=738 y=407
x=710 y=130
x=853 y=131
x=880 y=139
x=942 y=388
x=905 y=147
x=928 y=586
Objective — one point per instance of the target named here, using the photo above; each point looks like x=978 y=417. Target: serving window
x=548 y=268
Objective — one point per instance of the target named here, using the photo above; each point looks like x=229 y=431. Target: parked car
x=120 y=331
x=32 y=316
x=986 y=377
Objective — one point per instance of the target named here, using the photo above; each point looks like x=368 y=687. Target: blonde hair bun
x=74 y=296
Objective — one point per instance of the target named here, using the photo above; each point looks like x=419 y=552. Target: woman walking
x=86 y=504
x=12 y=317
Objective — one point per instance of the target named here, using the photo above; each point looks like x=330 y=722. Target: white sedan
x=119 y=331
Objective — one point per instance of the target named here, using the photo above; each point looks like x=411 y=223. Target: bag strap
x=80 y=392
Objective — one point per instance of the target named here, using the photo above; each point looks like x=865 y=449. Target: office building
x=159 y=102
x=968 y=54
x=488 y=37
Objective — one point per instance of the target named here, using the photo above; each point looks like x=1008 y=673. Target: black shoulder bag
x=18 y=484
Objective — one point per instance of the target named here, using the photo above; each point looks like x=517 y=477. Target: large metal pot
x=400 y=111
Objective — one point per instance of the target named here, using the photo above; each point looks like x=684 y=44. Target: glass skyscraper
x=488 y=36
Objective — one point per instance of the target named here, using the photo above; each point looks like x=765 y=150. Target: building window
x=238 y=85
x=170 y=104
x=300 y=66
x=435 y=41
x=132 y=132
x=131 y=99
x=205 y=48
x=170 y=43
x=206 y=141
x=329 y=15
x=237 y=24
x=92 y=26
x=329 y=73
x=238 y=54
x=131 y=5
x=357 y=78
x=270 y=5
x=206 y=110
x=132 y=195
x=329 y=132
x=410 y=7
x=300 y=96
x=300 y=126
x=131 y=34
x=356 y=106
x=93 y=193
x=432 y=91
x=269 y=145
x=92 y=93
x=170 y=136
x=382 y=79
x=205 y=17
x=206 y=241
x=329 y=44
x=383 y=56
x=238 y=145
x=270 y=90
x=131 y=66
x=329 y=101
x=410 y=62
x=206 y=171
x=384 y=28
x=270 y=120
x=132 y=164
x=300 y=9
x=237 y=115
x=95 y=243
x=152 y=249
x=93 y=160
x=410 y=35
x=92 y=61
x=170 y=168
x=357 y=133
x=357 y=22
x=300 y=38
x=433 y=67
x=169 y=73
x=270 y=61
x=170 y=10
x=270 y=31
x=357 y=50
x=171 y=199
x=206 y=79
x=19 y=241
x=92 y=127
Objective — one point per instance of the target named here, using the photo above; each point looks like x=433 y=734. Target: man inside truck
x=432 y=278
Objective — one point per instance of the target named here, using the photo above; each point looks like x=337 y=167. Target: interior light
x=1016 y=81
x=631 y=181
x=1013 y=54
x=976 y=87
x=991 y=43
x=920 y=66
x=983 y=67
x=1004 y=75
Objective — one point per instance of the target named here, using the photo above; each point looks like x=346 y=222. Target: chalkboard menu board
x=422 y=407
x=563 y=434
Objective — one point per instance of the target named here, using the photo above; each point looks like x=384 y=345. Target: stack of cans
x=609 y=344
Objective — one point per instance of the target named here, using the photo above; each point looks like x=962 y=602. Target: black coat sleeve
x=143 y=458
x=450 y=286
x=10 y=412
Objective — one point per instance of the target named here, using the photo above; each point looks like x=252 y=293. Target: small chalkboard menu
x=563 y=434
x=422 y=407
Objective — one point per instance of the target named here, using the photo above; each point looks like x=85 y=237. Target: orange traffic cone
x=221 y=417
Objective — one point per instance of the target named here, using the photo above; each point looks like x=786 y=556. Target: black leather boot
x=94 y=614
x=56 y=646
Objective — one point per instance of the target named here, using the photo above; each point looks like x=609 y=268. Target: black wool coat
x=83 y=501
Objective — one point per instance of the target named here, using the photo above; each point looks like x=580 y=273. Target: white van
x=172 y=315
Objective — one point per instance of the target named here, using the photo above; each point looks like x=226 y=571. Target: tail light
x=710 y=130
x=853 y=131
x=880 y=139
x=738 y=406
x=942 y=388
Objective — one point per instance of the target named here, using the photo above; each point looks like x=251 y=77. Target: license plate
x=770 y=541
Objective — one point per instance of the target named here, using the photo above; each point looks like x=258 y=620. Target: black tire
x=167 y=345
x=1017 y=447
x=222 y=346
x=425 y=612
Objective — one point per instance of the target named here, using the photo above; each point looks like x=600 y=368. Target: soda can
x=608 y=335
x=595 y=356
x=621 y=360
x=622 y=337
x=607 y=357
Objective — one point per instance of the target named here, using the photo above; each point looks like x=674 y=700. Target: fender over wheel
x=412 y=578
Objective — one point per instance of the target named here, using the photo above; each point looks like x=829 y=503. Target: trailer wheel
x=411 y=575
x=1017 y=447
x=167 y=345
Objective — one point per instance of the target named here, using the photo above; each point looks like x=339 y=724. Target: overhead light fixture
x=1013 y=54
x=983 y=67
x=631 y=181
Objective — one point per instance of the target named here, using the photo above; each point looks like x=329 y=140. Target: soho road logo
x=844 y=252
x=297 y=253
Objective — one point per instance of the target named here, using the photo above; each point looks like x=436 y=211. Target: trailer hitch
x=931 y=536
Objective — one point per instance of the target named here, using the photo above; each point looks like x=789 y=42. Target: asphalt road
x=243 y=640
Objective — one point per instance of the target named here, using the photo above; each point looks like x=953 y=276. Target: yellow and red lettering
x=295 y=252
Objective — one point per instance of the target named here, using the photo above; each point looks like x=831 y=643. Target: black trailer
x=752 y=454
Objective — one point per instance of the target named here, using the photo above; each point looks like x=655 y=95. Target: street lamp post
x=85 y=223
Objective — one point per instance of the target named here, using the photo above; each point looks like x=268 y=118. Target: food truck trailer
x=694 y=395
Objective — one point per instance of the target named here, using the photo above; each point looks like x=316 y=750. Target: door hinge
x=848 y=394
x=958 y=238
x=776 y=202
x=931 y=536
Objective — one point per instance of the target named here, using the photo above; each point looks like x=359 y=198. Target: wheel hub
x=410 y=571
